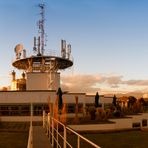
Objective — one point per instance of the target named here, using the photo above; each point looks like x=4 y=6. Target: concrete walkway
x=40 y=139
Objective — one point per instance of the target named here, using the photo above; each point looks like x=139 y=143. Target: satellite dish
x=18 y=48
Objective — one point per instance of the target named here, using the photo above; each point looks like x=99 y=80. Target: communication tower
x=42 y=70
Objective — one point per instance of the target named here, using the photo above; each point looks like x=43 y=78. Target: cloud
x=113 y=81
x=89 y=83
x=136 y=82
x=96 y=82
x=81 y=83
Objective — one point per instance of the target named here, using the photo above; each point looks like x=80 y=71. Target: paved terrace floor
x=40 y=139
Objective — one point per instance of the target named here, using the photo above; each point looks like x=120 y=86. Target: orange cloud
x=96 y=82
x=136 y=82
x=81 y=83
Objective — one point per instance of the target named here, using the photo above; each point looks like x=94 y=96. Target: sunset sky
x=109 y=41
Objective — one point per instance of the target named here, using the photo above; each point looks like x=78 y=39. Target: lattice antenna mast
x=41 y=27
x=41 y=22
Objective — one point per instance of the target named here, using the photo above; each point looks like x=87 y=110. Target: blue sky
x=109 y=39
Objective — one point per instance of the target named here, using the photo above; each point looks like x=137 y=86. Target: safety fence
x=62 y=136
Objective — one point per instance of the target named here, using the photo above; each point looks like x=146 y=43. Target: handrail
x=51 y=125
x=93 y=144
x=30 y=138
x=30 y=144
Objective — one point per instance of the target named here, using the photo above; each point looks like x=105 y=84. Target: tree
x=114 y=100
x=60 y=100
x=131 y=101
x=97 y=100
x=142 y=101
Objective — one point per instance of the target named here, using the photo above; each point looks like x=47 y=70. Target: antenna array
x=65 y=49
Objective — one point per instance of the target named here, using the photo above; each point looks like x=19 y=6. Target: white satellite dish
x=18 y=49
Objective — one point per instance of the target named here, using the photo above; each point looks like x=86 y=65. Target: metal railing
x=30 y=138
x=58 y=133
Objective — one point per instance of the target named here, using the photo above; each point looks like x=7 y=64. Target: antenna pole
x=41 y=27
x=39 y=44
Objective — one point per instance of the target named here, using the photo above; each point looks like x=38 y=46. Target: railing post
x=65 y=137
x=78 y=144
x=52 y=132
x=47 y=127
x=48 y=121
x=57 y=135
x=44 y=118
x=31 y=114
x=30 y=140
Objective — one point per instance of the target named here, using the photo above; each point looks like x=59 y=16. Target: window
x=144 y=122
x=136 y=124
x=71 y=108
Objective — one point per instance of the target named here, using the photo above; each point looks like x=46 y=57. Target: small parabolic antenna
x=18 y=49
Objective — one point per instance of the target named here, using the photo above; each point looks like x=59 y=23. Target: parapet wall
x=119 y=124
